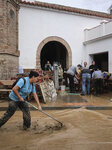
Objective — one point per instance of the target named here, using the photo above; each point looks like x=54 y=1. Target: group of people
x=85 y=74
x=81 y=75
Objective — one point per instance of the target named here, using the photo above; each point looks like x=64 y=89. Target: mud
x=83 y=130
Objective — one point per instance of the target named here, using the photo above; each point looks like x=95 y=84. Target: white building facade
x=57 y=33
x=98 y=42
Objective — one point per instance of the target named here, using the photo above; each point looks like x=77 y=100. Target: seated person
x=48 y=66
x=106 y=75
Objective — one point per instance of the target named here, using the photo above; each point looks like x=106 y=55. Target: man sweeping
x=17 y=97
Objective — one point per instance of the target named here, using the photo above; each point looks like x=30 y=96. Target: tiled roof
x=68 y=9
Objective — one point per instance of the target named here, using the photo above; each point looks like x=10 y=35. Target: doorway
x=53 y=51
x=101 y=60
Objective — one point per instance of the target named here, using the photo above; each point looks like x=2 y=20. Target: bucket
x=62 y=87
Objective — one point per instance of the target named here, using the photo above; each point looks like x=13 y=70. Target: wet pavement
x=73 y=101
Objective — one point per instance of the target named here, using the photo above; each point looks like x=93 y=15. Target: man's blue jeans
x=86 y=80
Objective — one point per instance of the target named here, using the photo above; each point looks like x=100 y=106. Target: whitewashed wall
x=104 y=45
x=99 y=40
x=36 y=24
x=104 y=29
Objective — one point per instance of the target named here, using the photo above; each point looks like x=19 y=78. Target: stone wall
x=9 y=53
x=8 y=66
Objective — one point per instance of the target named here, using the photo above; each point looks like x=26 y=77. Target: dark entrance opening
x=54 y=52
x=101 y=60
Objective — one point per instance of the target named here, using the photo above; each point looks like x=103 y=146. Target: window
x=12 y=13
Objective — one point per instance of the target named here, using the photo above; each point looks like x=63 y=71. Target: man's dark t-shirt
x=93 y=67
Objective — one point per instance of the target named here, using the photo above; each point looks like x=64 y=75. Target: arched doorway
x=54 y=49
x=54 y=52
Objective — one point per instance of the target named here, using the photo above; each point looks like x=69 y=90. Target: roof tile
x=69 y=9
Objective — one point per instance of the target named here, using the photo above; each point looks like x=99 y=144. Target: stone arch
x=58 y=39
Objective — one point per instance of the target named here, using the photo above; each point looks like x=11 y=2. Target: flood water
x=82 y=129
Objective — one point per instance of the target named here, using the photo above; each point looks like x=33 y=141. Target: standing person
x=71 y=72
x=93 y=67
x=48 y=66
x=17 y=99
x=86 y=76
x=79 y=69
x=98 y=76
x=77 y=75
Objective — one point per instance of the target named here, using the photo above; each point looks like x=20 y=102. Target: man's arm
x=37 y=100
x=91 y=68
x=15 y=90
x=77 y=77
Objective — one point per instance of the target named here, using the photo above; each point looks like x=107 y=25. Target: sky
x=96 y=5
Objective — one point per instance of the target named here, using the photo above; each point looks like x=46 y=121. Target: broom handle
x=44 y=113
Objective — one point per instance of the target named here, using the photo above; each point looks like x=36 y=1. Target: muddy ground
x=83 y=130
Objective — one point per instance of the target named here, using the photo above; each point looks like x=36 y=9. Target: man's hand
x=40 y=108
x=38 y=104
x=21 y=99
